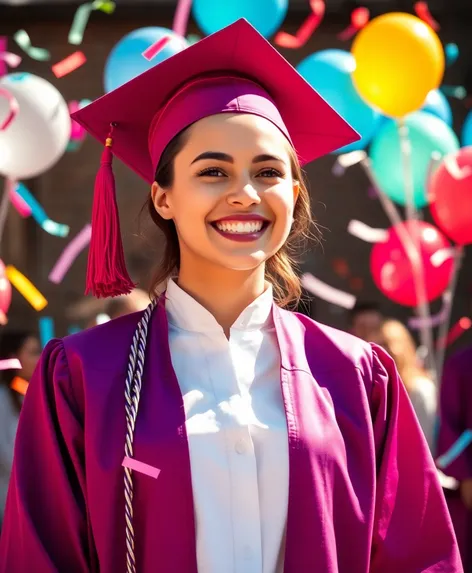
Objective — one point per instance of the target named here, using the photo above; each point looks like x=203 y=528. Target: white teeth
x=239 y=226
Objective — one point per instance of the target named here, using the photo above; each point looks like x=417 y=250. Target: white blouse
x=237 y=433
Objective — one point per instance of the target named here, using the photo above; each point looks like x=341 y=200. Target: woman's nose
x=244 y=195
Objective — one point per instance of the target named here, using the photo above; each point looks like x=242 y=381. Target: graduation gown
x=456 y=417
x=363 y=491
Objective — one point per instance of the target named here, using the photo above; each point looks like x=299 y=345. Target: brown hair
x=280 y=269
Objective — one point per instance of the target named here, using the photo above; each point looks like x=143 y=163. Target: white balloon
x=37 y=137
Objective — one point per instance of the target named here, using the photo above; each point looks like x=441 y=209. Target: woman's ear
x=160 y=199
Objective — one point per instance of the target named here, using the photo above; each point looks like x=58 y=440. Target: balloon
x=37 y=138
x=126 y=61
x=265 y=15
x=437 y=104
x=399 y=60
x=450 y=193
x=329 y=72
x=427 y=134
x=392 y=270
x=466 y=136
x=5 y=290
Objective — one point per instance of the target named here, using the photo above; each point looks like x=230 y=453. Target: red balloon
x=450 y=192
x=392 y=270
x=5 y=290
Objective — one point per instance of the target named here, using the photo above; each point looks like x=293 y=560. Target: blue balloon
x=437 y=104
x=126 y=61
x=329 y=72
x=466 y=136
x=265 y=15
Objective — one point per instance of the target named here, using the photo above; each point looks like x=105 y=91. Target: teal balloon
x=427 y=134
x=437 y=104
x=265 y=15
x=466 y=136
x=126 y=61
x=329 y=72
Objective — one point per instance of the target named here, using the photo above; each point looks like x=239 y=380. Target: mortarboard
x=232 y=70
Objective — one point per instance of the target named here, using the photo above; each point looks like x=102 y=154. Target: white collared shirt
x=237 y=433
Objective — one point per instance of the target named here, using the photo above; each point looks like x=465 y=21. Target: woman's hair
x=401 y=346
x=280 y=269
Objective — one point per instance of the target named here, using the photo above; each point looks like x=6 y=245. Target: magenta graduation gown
x=456 y=417
x=363 y=493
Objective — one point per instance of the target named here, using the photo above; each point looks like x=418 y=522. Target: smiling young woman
x=217 y=431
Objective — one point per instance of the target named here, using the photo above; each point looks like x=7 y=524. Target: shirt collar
x=185 y=312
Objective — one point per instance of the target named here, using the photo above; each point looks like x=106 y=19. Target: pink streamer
x=141 y=467
x=69 y=254
x=18 y=202
x=154 y=49
x=182 y=13
x=14 y=108
x=10 y=364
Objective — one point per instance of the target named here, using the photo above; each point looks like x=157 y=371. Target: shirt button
x=241 y=447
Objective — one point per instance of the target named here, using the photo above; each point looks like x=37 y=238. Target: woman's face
x=29 y=355
x=233 y=194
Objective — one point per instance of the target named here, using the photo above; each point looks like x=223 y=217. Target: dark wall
x=66 y=190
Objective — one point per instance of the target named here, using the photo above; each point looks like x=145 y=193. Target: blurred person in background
x=136 y=301
x=399 y=343
x=25 y=346
x=455 y=419
x=365 y=322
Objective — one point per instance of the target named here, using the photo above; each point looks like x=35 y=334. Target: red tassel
x=106 y=269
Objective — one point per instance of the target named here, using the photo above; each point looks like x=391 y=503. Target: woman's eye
x=270 y=172
x=211 y=172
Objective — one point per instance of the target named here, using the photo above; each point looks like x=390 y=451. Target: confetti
x=341 y=268
x=306 y=30
x=10 y=364
x=38 y=213
x=422 y=11
x=3 y=318
x=446 y=459
x=347 y=160
x=327 y=292
x=452 y=53
x=417 y=322
x=25 y=288
x=458 y=92
x=46 y=329
x=69 y=64
x=192 y=39
x=455 y=332
x=359 y=18
x=447 y=482
x=440 y=257
x=81 y=18
x=140 y=467
x=453 y=168
x=182 y=12
x=18 y=203
x=154 y=49
x=356 y=284
x=69 y=254
x=12 y=104
x=365 y=233
x=7 y=58
x=23 y=40
x=19 y=385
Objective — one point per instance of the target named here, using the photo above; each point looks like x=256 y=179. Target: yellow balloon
x=399 y=60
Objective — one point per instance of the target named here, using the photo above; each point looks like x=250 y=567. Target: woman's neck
x=223 y=292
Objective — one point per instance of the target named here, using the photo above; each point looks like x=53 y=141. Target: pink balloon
x=450 y=192
x=392 y=270
x=5 y=290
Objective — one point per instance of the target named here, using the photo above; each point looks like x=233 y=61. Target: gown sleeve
x=413 y=532
x=453 y=417
x=45 y=526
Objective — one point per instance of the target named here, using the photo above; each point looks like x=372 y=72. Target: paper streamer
x=327 y=292
x=3 y=318
x=25 y=288
x=452 y=53
x=306 y=30
x=7 y=58
x=347 y=160
x=70 y=253
x=46 y=330
x=13 y=105
x=459 y=92
x=181 y=16
x=447 y=482
x=69 y=64
x=141 y=467
x=10 y=364
x=422 y=11
x=441 y=256
x=416 y=322
x=38 y=213
x=19 y=385
x=366 y=233
x=455 y=450
x=19 y=204
x=452 y=167
x=23 y=40
x=81 y=18
x=359 y=18
x=154 y=49
x=455 y=332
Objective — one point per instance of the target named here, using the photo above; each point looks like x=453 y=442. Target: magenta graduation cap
x=232 y=70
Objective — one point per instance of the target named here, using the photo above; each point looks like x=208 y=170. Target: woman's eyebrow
x=217 y=155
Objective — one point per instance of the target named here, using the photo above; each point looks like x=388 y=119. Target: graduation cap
x=233 y=70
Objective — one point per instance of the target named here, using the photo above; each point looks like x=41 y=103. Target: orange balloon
x=399 y=60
